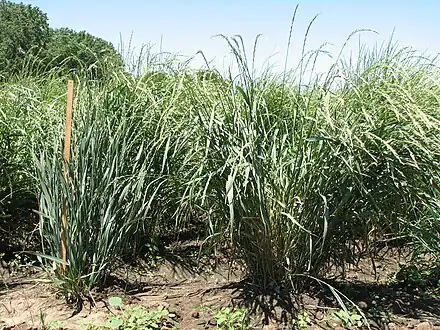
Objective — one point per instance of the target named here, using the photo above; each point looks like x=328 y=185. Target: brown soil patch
x=386 y=304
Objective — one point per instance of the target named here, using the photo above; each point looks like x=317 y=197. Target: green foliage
x=123 y=186
x=21 y=263
x=294 y=179
x=29 y=47
x=297 y=178
x=30 y=116
x=108 y=201
x=24 y=31
x=115 y=301
x=302 y=320
x=423 y=270
x=77 y=52
x=136 y=318
x=7 y=166
x=209 y=76
x=51 y=325
x=421 y=273
x=232 y=318
x=348 y=319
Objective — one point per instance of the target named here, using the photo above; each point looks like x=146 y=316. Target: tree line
x=27 y=41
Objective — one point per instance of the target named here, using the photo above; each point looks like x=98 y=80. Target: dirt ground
x=28 y=302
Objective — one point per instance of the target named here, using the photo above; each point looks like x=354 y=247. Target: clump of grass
x=298 y=177
x=120 y=187
x=106 y=197
x=27 y=119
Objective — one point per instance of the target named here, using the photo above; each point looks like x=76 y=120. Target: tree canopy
x=24 y=30
x=25 y=33
x=80 y=50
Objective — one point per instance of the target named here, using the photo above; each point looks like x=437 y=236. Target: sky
x=186 y=26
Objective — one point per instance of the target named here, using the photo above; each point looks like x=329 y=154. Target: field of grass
x=290 y=178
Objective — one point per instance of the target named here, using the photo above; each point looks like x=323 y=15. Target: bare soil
x=29 y=301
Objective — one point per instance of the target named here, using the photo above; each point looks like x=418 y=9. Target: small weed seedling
x=302 y=320
x=139 y=318
x=136 y=318
x=350 y=320
x=232 y=319
x=51 y=325
x=21 y=262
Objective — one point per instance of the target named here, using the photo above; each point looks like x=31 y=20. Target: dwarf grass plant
x=108 y=199
x=121 y=187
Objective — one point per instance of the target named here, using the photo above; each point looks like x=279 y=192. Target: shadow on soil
x=379 y=302
x=398 y=299
x=18 y=227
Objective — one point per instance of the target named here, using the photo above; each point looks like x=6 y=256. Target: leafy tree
x=76 y=51
x=24 y=31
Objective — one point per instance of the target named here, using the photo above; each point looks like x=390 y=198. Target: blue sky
x=188 y=26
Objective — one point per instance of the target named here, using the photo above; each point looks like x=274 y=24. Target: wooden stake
x=68 y=133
